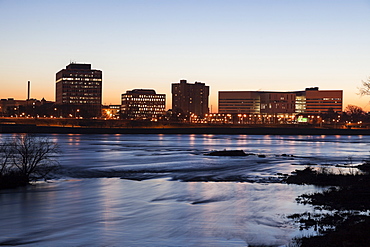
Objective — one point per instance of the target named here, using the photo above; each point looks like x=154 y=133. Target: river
x=161 y=190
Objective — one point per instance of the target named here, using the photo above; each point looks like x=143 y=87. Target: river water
x=161 y=190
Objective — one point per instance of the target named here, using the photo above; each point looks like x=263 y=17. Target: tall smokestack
x=29 y=90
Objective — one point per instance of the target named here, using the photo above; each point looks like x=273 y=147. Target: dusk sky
x=229 y=45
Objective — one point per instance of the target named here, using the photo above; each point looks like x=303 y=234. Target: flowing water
x=161 y=190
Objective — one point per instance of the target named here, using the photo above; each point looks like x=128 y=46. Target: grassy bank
x=346 y=204
x=13 y=180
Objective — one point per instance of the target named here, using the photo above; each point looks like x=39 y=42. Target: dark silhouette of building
x=143 y=104
x=79 y=91
x=190 y=98
x=25 y=108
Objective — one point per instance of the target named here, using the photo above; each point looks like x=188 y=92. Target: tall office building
x=143 y=104
x=79 y=90
x=190 y=98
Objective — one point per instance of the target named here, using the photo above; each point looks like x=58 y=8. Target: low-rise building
x=25 y=108
x=311 y=100
x=321 y=101
x=111 y=111
x=143 y=104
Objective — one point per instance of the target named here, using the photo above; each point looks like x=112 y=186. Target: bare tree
x=5 y=155
x=33 y=157
x=354 y=113
x=353 y=110
x=365 y=89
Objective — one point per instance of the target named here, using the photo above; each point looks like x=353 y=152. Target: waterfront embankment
x=227 y=130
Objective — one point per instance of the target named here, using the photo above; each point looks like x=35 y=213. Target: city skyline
x=238 y=45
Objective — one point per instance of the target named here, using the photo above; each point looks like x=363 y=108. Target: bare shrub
x=27 y=158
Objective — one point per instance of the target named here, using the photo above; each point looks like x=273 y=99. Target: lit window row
x=81 y=102
x=78 y=86
x=73 y=82
x=92 y=74
x=143 y=99
x=85 y=97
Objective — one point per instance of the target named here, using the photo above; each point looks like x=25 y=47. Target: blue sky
x=229 y=45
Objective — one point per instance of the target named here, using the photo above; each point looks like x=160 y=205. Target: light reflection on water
x=117 y=212
x=98 y=211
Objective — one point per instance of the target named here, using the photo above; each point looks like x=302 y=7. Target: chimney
x=28 y=91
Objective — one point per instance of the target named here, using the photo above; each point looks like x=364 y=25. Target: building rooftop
x=141 y=91
x=78 y=66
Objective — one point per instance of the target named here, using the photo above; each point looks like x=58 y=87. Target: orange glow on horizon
x=112 y=96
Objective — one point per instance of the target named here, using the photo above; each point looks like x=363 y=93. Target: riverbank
x=345 y=220
x=227 y=130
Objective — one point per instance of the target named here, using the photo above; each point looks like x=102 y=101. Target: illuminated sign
x=302 y=119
